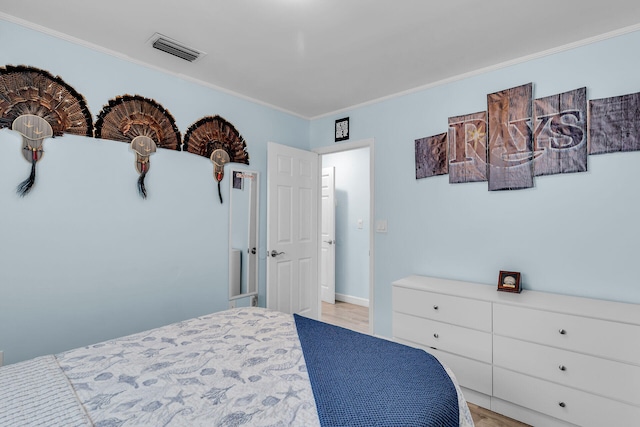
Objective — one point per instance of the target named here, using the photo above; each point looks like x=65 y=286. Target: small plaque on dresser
x=509 y=281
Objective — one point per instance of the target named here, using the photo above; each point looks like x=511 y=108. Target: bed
x=240 y=367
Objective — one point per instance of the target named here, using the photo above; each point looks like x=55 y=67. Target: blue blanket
x=360 y=380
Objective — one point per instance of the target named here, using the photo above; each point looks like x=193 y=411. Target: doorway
x=353 y=165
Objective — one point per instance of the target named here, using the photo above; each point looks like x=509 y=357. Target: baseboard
x=352 y=300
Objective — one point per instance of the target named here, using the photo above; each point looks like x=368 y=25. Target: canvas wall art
x=510 y=150
x=614 y=124
x=560 y=133
x=468 y=148
x=431 y=156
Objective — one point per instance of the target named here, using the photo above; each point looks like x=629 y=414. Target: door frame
x=330 y=294
x=348 y=146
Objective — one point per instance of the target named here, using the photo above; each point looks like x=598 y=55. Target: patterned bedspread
x=237 y=367
x=241 y=367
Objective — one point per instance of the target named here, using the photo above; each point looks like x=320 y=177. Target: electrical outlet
x=254 y=301
x=232 y=304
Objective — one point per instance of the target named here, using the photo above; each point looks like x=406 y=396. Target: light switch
x=360 y=223
x=381 y=226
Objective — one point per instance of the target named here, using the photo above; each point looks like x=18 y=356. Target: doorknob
x=275 y=253
x=331 y=242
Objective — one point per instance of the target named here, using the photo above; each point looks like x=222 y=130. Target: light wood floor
x=350 y=316
x=356 y=318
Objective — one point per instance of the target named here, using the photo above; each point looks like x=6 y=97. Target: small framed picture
x=509 y=281
x=237 y=180
x=342 y=129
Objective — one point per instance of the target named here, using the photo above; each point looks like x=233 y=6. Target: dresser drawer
x=443 y=336
x=469 y=373
x=577 y=407
x=617 y=341
x=604 y=377
x=466 y=312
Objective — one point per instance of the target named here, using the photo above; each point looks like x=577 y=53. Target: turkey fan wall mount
x=38 y=105
x=217 y=139
x=142 y=122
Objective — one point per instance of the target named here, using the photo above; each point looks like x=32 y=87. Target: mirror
x=244 y=187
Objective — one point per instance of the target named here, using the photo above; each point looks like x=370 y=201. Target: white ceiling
x=313 y=57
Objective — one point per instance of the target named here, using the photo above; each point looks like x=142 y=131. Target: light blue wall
x=573 y=234
x=82 y=257
x=352 y=243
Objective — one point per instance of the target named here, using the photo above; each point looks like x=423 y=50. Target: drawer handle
x=562 y=368
x=562 y=404
x=562 y=332
x=435 y=307
x=436 y=335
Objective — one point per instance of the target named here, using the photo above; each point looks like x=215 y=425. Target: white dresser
x=545 y=359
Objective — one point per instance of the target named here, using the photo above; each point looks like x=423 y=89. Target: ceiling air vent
x=174 y=48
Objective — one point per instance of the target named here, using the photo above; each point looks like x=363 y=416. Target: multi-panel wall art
x=560 y=133
x=615 y=123
x=510 y=148
x=519 y=138
x=431 y=156
x=468 y=148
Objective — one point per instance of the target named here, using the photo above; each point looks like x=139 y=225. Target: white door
x=292 y=230
x=328 y=237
